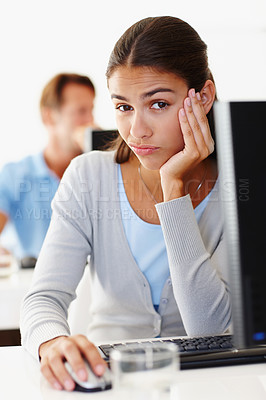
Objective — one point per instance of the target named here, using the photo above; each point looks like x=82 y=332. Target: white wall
x=42 y=38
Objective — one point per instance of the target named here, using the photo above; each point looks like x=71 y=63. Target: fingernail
x=82 y=374
x=57 y=386
x=198 y=96
x=182 y=112
x=192 y=92
x=188 y=101
x=68 y=384
x=99 y=369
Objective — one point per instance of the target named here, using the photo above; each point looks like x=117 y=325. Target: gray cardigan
x=86 y=221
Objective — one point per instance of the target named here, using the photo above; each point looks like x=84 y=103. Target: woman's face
x=146 y=104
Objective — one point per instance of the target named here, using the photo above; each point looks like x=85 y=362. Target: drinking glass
x=145 y=371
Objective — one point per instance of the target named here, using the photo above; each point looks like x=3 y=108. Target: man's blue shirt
x=27 y=188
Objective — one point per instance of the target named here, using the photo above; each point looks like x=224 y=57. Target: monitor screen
x=241 y=145
x=97 y=139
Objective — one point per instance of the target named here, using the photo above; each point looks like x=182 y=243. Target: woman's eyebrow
x=144 y=95
x=158 y=90
x=116 y=96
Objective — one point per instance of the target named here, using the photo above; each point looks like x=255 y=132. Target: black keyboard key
x=202 y=346
x=190 y=347
x=181 y=349
x=226 y=345
x=214 y=346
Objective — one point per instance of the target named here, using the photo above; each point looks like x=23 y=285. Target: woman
x=147 y=213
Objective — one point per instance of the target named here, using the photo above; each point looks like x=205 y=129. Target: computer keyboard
x=187 y=345
x=201 y=352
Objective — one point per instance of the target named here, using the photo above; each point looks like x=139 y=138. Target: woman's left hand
x=198 y=145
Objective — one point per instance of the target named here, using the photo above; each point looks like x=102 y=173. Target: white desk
x=14 y=287
x=20 y=376
x=12 y=290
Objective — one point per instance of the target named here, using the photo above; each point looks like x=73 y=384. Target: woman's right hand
x=198 y=145
x=73 y=349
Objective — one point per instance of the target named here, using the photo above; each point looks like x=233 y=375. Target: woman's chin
x=153 y=165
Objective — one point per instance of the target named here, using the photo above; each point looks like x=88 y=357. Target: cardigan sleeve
x=60 y=264
x=198 y=277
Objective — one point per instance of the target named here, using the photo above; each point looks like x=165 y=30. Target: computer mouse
x=28 y=262
x=94 y=383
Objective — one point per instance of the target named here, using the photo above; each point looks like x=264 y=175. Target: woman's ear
x=207 y=94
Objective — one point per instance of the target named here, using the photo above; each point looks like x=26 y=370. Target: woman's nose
x=140 y=127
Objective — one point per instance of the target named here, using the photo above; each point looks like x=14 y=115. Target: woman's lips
x=143 y=150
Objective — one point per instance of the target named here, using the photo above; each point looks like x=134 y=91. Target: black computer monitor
x=241 y=148
x=98 y=139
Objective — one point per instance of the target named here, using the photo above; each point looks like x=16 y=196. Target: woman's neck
x=198 y=183
x=138 y=193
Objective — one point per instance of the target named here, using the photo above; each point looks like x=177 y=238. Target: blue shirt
x=26 y=190
x=146 y=242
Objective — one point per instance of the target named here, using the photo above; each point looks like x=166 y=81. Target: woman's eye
x=124 y=107
x=159 y=105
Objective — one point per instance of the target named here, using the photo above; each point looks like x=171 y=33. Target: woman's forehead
x=125 y=76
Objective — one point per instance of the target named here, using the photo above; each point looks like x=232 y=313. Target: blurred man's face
x=76 y=110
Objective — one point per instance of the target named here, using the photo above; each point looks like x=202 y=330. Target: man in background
x=28 y=186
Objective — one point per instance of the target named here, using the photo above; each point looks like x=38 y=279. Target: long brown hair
x=167 y=44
